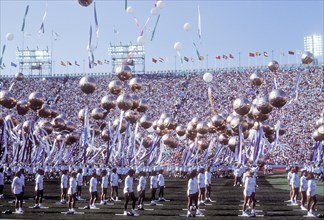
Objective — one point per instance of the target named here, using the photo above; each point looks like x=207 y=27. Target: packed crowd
x=185 y=96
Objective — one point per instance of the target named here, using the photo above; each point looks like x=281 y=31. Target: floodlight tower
x=314 y=45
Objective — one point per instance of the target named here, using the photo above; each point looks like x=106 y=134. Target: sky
x=227 y=27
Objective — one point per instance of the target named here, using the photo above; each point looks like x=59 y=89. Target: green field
x=271 y=194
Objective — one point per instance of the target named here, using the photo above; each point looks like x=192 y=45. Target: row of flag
x=290 y=52
x=99 y=62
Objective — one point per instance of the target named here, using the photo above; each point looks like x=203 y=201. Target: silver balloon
x=320 y=131
x=211 y=128
x=115 y=87
x=218 y=120
x=22 y=107
x=124 y=72
x=278 y=98
x=258 y=116
x=202 y=128
x=124 y=102
x=180 y=130
x=316 y=136
x=108 y=102
x=241 y=106
x=273 y=66
x=105 y=135
x=28 y=125
x=146 y=121
x=307 y=58
x=70 y=126
x=19 y=76
x=44 y=111
x=85 y=3
x=223 y=139
x=46 y=125
x=71 y=138
x=256 y=78
x=143 y=106
x=98 y=114
x=58 y=123
x=88 y=84
x=36 y=100
x=123 y=125
x=263 y=105
x=170 y=123
x=135 y=84
x=136 y=101
x=233 y=142
x=7 y=100
x=131 y=116
x=318 y=123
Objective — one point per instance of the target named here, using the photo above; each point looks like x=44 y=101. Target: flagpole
x=52 y=53
x=207 y=62
x=239 y=55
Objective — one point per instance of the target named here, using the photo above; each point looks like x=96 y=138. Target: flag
x=13 y=64
x=218 y=57
x=225 y=57
x=42 y=29
x=96 y=20
x=257 y=54
x=154 y=60
x=265 y=54
x=186 y=59
x=99 y=62
x=76 y=63
x=4 y=65
x=299 y=52
x=116 y=31
x=291 y=52
x=55 y=35
x=199 y=23
x=62 y=63
x=161 y=59
x=68 y=63
x=231 y=56
x=251 y=55
x=106 y=61
x=24 y=20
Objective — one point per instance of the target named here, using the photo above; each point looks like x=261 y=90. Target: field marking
x=75 y=213
x=250 y=216
x=18 y=213
x=255 y=205
x=306 y=216
x=43 y=207
x=192 y=217
x=148 y=204
x=136 y=215
x=257 y=210
x=146 y=209
x=199 y=209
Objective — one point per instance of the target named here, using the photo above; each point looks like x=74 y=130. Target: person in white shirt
x=303 y=189
x=192 y=194
x=141 y=190
x=22 y=178
x=201 y=186
x=294 y=183
x=39 y=188
x=114 y=184
x=208 y=184
x=1 y=182
x=129 y=193
x=64 y=186
x=104 y=187
x=161 y=185
x=79 y=179
x=16 y=187
x=153 y=186
x=72 y=192
x=249 y=186
x=93 y=190
x=311 y=194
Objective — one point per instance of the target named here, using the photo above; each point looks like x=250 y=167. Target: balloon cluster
x=318 y=133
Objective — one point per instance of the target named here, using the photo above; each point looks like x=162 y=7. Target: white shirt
x=128 y=184
x=114 y=179
x=64 y=181
x=73 y=185
x=294 y=180
x=192 y=186
x=153 y=182
x=289 y=175
x=39 y=183
x=161 y=179
x=104 y=182
x=79 y=178
x=201 y=180
x=207 y=178
x=249 y=185
x=303 y=183
x=22 y=178
x=16 y=185
x=93 y=184
x=141 y=183
x=311 y=187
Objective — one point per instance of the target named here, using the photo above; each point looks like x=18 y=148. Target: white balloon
x=130 y=10
x=140 y=40
x=208 y=77
x=160 y=4
x=180 y=138
x=9 y=36
x=177 y=46
x=187 y=26
x=154 y=11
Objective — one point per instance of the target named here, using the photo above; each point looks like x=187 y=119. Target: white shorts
x=247 y=193
x=311 y=193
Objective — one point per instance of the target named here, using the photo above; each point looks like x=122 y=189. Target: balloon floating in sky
x=160 y=4
x=130 y=10
x=9 y=37
x=140 y=40
x=177 y=46
x=307 y=58
x=154 y=11
x=208 y=77
x=187 y=26
x=85 y=3
x=273 y=66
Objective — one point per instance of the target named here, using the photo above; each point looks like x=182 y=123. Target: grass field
x=272 y=191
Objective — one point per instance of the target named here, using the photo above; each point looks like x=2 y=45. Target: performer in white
x=79 y=179
x=114 y=184
x=93 y=190
x=39 y=188
x=303 y=189
x=64 y=186
x=311 y=194
x=208 y=185
x=192 y=194
x=129 y=193
x=161 y=185
x=201 y=187
x=141 y=190
x=294 y=183
x=104 y=187
x=16 y=187
x=153 y=186
x=72 y=191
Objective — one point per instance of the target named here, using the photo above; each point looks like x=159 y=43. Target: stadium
x=213 y=143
